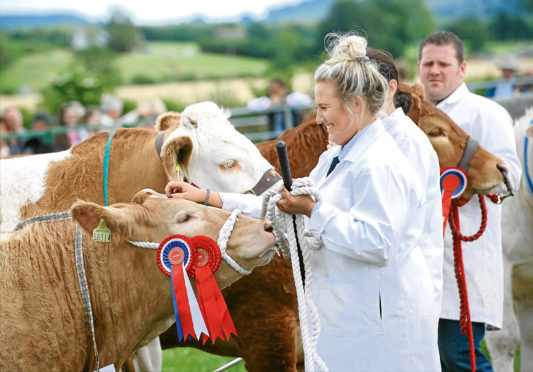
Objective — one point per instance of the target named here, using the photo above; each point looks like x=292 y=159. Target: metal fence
x=254 y=125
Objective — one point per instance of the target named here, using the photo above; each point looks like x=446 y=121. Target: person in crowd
x=70 y=116
x=506 y=87
x=279 y=96
x=111 y=107
x=441 y=68
x=41 y=144
x=4 y=147
x=371 y=282
x=145 y=114
x=14 y=124
x=93 y=116
x=416 y=147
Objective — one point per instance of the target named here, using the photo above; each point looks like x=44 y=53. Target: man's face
x=440 y=71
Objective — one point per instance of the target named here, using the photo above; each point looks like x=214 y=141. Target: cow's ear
x=416 y=108
x=167 y=120
x=175 y=155
x=88 y=215
x=418 y=89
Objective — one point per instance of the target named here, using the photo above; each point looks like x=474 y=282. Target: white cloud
x=149 y=11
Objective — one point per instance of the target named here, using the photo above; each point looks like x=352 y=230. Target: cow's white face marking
x=23 y=181
x=222 y=158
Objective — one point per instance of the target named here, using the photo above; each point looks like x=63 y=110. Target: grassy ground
x=158 y=62
x=189 y=359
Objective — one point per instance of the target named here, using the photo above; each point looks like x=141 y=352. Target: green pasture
x=188 y=359
x=157 y=62
x=170 y=61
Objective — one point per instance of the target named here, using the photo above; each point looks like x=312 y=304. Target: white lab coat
x=416 y=147
x=488 y=123
x=370 y=222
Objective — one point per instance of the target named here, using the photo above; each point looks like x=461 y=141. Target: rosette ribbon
x=453 y=183
x=174 y=255
x=212 y=304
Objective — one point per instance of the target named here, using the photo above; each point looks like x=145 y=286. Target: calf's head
x=486 y=170
x=151 y=217
x=210 y=152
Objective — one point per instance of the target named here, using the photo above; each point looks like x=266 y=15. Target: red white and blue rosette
x=453 y=183
x=174 y=250
x=453 y=180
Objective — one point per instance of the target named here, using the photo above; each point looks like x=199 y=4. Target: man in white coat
x=441 y=67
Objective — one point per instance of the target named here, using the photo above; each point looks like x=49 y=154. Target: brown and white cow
x=43 y=324
x=269 y=336
x=200 y=144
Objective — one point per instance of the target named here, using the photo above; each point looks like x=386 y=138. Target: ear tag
x=102 y=233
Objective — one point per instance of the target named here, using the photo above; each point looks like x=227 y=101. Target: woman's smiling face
x=333 y=114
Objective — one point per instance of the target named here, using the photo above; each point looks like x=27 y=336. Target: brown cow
x=43 y=324
x=269 y=337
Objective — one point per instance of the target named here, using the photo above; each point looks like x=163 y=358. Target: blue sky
x=149 y=11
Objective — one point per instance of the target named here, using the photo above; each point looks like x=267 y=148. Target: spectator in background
x=13 y=122
x=4 y=148
x=111 y=108
x=278 y=96
x=145 y=114
x=505 y=88
x=93 y=116
x=71 y=115
x=40 y=144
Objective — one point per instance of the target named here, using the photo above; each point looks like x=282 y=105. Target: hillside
x=305 y=11
x=15 y=21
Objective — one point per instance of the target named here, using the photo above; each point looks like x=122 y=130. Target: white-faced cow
x=43 y=323
x=200 y=145
x=269 y=335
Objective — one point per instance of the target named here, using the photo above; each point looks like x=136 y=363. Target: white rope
x=283 y=222
x=223 y=237
x=150 y=245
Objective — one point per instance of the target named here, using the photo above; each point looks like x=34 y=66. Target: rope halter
x=222 y=241
x=286 y=238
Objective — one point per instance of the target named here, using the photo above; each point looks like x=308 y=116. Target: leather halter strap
x=468 y=154
x=269 y=178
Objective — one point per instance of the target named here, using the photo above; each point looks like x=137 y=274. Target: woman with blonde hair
x=371 y=283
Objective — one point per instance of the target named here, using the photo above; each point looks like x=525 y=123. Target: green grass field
x=189 y=359
x=158 y=62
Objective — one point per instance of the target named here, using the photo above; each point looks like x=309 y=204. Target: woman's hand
x=184 y=190
x=300 y=204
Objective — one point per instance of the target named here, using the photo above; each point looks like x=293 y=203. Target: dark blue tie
x=334 y=163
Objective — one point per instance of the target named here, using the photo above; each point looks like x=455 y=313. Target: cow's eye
x=183 y=218
x=436 y=132
x=229 y=165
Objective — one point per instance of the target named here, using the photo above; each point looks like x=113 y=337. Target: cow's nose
x=503 y=170
x=268 y=226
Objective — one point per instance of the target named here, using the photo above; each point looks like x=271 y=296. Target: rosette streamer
x=212 y=304
x=174 y=255
x=453 y=182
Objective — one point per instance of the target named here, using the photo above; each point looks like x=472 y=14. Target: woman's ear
x=393 y=87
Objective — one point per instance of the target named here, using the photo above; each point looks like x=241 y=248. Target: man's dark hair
x=444 y=38
x=387 y=68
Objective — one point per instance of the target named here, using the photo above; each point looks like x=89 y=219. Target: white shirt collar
x=457 y=95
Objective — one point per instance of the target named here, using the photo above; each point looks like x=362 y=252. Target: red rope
x=464 y=318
